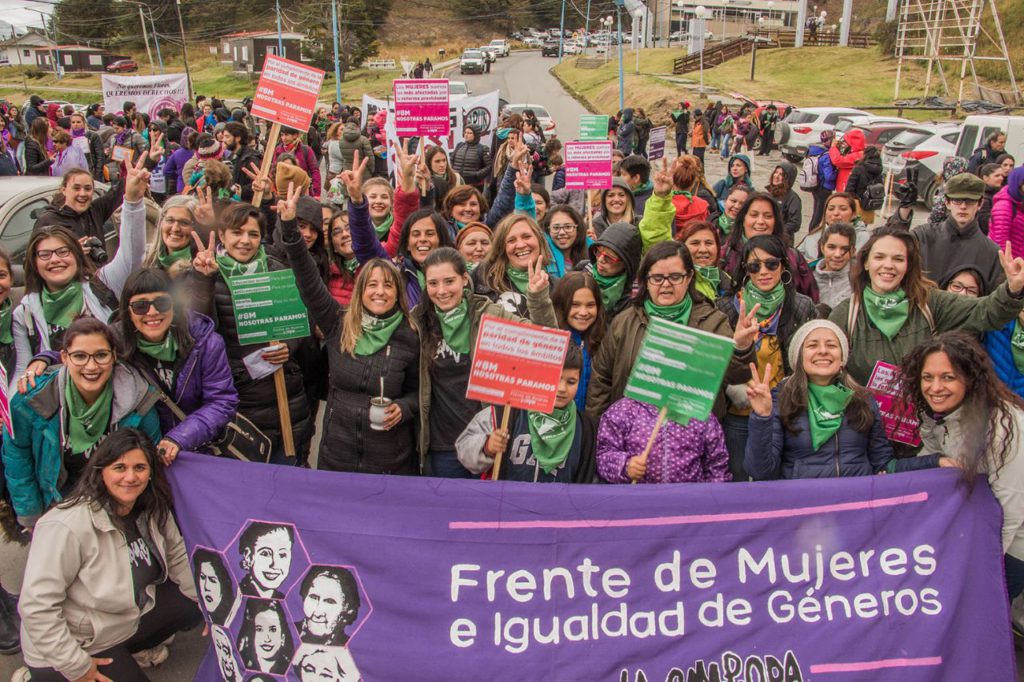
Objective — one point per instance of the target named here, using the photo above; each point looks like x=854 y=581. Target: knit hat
x=308 y=209
x=801 y=334
x=288 y=173
x=965 y=186
x=469 y=229
x=953 y=165
x=210 y=148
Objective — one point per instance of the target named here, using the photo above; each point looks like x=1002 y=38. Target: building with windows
x=247 y=51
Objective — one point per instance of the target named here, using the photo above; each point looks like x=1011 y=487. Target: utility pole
x=184 y=52
x=586 y=37
x=280 y=42
x=561 y=33
x=622 y=87
x=145 y=37
x=56 y=52
x=337 y=56
x=156 y=40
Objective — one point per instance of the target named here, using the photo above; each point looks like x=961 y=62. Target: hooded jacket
x=723 y=186
x=844 y=163
x=351 y=141
x=827 y=173
x=622 y=239
x=792 y=206
x=600 y=219
x=626 y=132
x=1006 y=224
x=867 y=172
x=947 y=248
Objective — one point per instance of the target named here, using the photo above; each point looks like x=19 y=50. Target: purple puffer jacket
x=694 y=453
x=203 y=389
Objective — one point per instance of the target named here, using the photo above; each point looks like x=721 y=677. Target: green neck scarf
x=455 y=325
x=350 y=264
x=520 y=279
x=6 y=335
x=769 y=300
x=825 y=408
x=708 y=279
x=87 y=423
x=551 y=435
x=377 y=332
x=60 y=307
x=166 y=260
x=229 y=267
x=725 y=224
x=611 y=288
x=1017 y=345
x=166 y=350
x=889 y=312
x=643 y=187
x=385 y=227
x=679 y=313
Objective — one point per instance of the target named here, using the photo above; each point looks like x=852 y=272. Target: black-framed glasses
x=47 y=254
x=675 y=278
x=161 y=303
x=80 y=358
x=771 y=264
x=562 y=227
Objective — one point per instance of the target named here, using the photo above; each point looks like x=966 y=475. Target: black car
x=550 y=49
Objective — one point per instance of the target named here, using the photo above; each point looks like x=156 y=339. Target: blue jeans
x=445 y=464
x=1014 y=576
x=736 y=429
x=725 y=145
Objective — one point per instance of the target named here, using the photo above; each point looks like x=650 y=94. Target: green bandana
x=708 y=279
x=166 y=350
x=520 y=279
x=350 y=264
x=1017 y=345
x=825 y=408
x=385 y=227
x=645 y=187
x=6 y=336
x=769 y=300
x=229 y=267
x=551 y=435
x=611 y=288
x=725 y=224
x=455 y=325
x=166 y=260
x=889 y=312
x=421 y=278
x=87 y=423
x=60 y=307
x=679 y=313
x=377 y=332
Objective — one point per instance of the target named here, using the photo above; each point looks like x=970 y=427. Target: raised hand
x=1014 y=269
x=205 y=260
x=524 y=179
x=287 y=204
x=539 y=279
x=156 y=145
x=759 y=392
x=663 y=180
x=746 y=326
x=204 y=208
x=353 y=179
x=137 y=182
x=260 y=183
x=406 y=166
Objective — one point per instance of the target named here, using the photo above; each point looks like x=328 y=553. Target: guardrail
x=381 y=64
x=767 y=39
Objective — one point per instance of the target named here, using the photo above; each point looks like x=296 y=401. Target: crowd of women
x=119 y=364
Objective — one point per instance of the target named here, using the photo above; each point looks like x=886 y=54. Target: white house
x=21 y=50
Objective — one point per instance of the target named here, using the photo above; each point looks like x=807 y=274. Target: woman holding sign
x=448 y=321
x=667 y=290
x=241 y=252
x=373 y=353
x=894 y=307
x=969 y=415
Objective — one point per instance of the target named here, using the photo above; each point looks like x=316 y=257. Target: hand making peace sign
x=286 y=205
x=539 y=279
x=759 y=391
x=137 y=181
x=259 y=183
x=353 y=179
x=746 y=327
x=206 y=257
x=663 y=180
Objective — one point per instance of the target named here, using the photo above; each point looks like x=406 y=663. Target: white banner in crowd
x=150 y=93
x=480 y=111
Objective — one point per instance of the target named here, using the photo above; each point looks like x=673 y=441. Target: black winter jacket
x=472 y=161
x=88 y=224
x=36 y=160
x=866 y=173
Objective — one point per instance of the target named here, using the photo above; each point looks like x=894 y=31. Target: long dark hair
x=914 y=283
x=578 y=249
x=335 y=258
x=151 y=281
x=247 y=634
x=444 y=234
x=986 y=411
x=201 y=556
x=155 y=502
x=561 y=300
x=661 y=251
x=428 y=322
x=735 y=242
x=774 y=247
x=34 y=282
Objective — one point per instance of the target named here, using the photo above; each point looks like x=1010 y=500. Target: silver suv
x=803 y=127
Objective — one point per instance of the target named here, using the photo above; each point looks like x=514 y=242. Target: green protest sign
x=593 y=128
x=268 y=307
x=679 y=369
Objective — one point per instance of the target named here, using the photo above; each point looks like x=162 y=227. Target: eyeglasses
x=161 y=303
x=961 y=202
x=562 y=227
x=180 y=222
x=608 y=257
x=754 y=266
x=958 y=288
x=80 y=358
x=675 y=278
x=47 y=254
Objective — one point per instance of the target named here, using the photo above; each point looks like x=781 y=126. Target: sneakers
x=151 y=658
x=21 y=675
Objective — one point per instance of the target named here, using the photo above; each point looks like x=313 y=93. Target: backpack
x=807 y=178
x=873 y=197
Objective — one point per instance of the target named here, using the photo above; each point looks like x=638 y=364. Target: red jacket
x=688 y=210
x=844 y=163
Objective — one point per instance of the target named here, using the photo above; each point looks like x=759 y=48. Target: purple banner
x=312 y=575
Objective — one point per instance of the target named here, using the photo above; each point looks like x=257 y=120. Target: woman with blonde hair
x=504 y=275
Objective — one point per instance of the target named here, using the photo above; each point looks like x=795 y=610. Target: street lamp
x=771 y=5
x=607 y=24
x=679 y=7
x=724 y=11
x=638 y=15
x=700 y=12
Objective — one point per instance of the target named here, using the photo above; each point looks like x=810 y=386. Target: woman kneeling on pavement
x=107 y=579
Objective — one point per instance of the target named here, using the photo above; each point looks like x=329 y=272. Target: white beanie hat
x=797 y=342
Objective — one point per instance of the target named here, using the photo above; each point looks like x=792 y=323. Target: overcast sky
x=19 y=12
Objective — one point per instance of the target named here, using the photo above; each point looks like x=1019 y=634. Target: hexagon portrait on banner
x=330 y=605
x=319 y=663
x=266 y=641
x=216 y=587
x=267 y=557
x=224 y=650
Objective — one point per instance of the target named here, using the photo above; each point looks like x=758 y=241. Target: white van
x=977 y=129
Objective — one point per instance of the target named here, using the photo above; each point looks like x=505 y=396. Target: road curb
x=574 y=93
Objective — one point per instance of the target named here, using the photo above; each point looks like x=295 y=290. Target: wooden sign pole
x=268 y=160
x=654 y=434
x=496 y=469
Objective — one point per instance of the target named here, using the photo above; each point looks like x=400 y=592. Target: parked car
x=532 y=41
x=570 y=47
x=122 y=65
x=803 y=127
x=546 y=122
x=977 y=129
x=923 y=149
x=501 y=45
x=846 y=122
x=550 y=49
x=473 y=61
x=458 y=90
x=878 y=134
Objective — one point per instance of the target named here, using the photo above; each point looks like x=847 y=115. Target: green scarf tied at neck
x=825 y=408
x=385 y=227
x=229 y=267
x=6 y=334
x=708 y=279
x=889 y=312
x=643 y=187
x=166 y=350
x=520 y=279
x=350 y=264
x=611 y=288
x=87 y=423
x=725 y=224
x=678 y=313
x=769 y=300
x=61 y=306
x=377 y=332
x=167 y=259
x=551 y=435
x=1017 y=345
x=455 y=325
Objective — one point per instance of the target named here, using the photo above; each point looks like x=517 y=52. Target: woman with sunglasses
x=894 y=307
x=767 y=283
x=181 y=354
x=60 y=283
x=667 y=290
x=59 y=423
